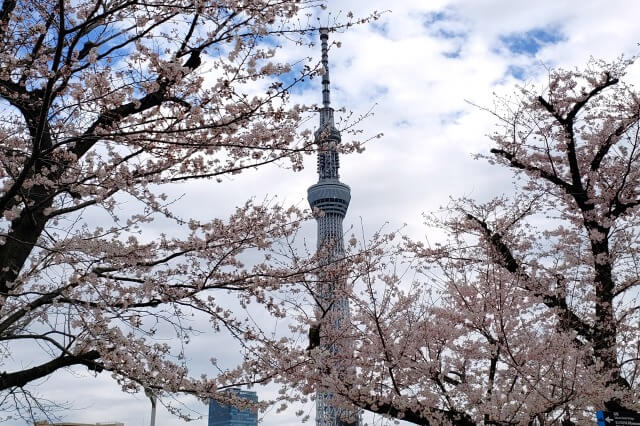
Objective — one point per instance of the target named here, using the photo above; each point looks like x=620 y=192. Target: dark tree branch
x=5 y=13
x=456 y=418
x=578 y=105
x=610 y=141
x=506 y=259
x=517 y=164
x=577 y=189
x=571 y=115
x=23 y=377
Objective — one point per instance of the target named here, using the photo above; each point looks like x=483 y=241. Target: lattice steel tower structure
x=331 y=197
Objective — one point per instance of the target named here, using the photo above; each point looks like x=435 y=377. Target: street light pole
x=152 y=397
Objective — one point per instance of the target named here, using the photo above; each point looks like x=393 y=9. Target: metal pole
x=153 y=411
x=152 y=397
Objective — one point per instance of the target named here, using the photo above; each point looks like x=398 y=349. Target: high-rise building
x=228 y=415
x=331 y=197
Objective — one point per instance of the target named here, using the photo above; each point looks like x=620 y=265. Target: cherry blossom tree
x=105 y=104
x=527 y=312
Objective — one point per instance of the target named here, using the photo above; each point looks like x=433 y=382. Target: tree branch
x=456 y=418
x=23 y=377
x=506 y=259
x=517 y=164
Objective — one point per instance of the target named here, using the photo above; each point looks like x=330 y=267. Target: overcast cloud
x=418 y=67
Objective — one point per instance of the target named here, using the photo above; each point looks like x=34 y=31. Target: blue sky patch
x=453 y=54
x=433 y=17
x=529 y=43
x=449 y=33
x=516 y=72
x=381 y=28
x=444 y=24
x=402 y=124
x=447 y=26
x=378 y=92
x=450 y=117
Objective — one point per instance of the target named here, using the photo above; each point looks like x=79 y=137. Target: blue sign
x=618 y=418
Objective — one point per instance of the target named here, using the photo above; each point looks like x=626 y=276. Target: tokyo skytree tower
x=331 y=197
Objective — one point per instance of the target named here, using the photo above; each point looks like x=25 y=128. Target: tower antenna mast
x=330 y=197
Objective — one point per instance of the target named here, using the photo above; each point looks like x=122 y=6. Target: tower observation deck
x=331 y=197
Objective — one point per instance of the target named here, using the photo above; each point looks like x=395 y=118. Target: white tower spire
x=324 y=37
x=331 y=197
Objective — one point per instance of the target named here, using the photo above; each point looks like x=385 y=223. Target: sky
x=425 y=68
